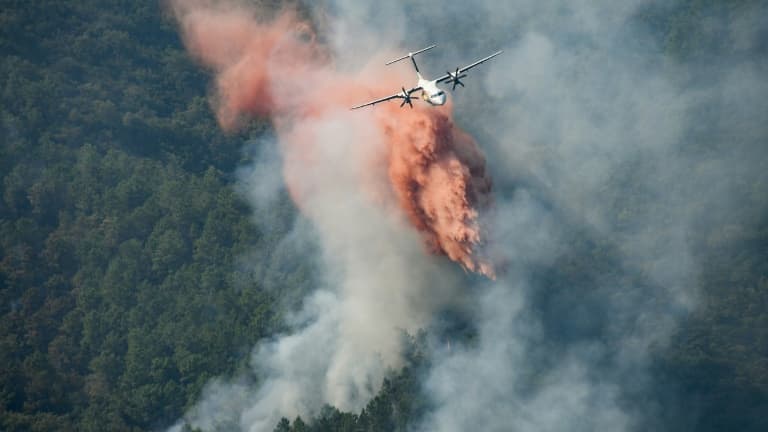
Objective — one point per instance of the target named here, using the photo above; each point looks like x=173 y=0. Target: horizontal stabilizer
x=411 y=54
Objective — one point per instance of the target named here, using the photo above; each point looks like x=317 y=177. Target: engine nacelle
x=456 y=78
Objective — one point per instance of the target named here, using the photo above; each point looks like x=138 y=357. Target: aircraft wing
x=399 y=95
x=449 y=76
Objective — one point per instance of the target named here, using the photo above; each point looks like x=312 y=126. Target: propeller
x=456 y=79
x=406 y=99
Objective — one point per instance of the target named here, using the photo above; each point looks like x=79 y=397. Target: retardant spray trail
x=428 y=168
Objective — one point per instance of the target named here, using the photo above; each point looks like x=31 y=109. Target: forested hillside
x=119 y=230
x=122 y=284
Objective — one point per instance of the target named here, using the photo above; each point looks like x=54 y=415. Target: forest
x=132 y=271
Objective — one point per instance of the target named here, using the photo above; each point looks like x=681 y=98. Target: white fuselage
x=430 y=93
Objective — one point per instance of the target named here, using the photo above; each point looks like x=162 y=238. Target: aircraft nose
x=439 y=99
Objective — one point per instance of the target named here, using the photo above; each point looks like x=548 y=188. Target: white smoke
x=378 y=284
x=580 y=116
x=589 y=120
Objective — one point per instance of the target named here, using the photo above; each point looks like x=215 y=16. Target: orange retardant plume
x=429 y=169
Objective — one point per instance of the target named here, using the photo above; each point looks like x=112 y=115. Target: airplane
x=430 y=92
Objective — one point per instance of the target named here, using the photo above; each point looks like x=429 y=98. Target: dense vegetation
x=121 y=292
x=120 y=288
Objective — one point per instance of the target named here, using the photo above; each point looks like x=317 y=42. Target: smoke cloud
x=598 y=206
x=380 y=188
x=276 y=68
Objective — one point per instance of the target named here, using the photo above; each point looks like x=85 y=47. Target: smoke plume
x=426 y=165
x=612 y=162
